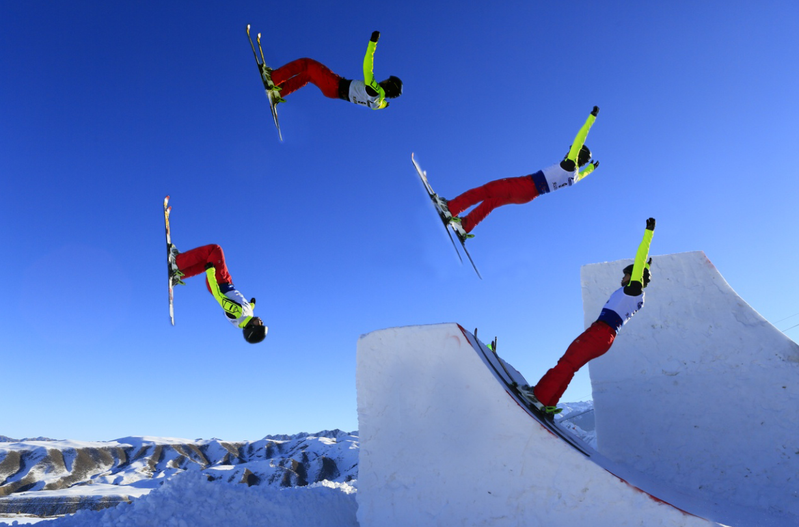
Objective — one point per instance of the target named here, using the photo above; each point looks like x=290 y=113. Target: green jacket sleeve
x=232 y=309
x=587 y=169
x=641 y=258
x=368 y=73
x=579 y=140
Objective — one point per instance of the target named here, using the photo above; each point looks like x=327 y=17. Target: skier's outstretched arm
x=368 y=69
x=587 y=169
x=637 y=277
x=579 y=140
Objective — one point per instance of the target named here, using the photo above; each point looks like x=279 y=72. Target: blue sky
x=108 y=107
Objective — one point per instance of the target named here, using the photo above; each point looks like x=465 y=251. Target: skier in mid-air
x=597 y=339
x=296 y=74
x=523 y=189
x=210 y=259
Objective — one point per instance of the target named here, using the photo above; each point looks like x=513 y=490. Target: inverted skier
x=210 y=259
x=296 y=74
x=597 y=339
x=523 y=189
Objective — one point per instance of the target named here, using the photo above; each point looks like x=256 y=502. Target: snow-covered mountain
x=48 y=478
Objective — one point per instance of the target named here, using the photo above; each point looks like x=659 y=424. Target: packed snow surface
x=190 y=500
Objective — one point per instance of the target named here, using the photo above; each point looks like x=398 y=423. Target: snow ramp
x=700 y=391
x=443 y=441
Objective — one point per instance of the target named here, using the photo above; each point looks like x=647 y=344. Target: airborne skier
x=597 y=339
x=210 y=259
x=522 y=189
x=296 y=74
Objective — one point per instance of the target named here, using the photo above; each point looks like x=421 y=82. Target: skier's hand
x=650 y=224
x=375 y=36
x=209 y=265
x=595 y=111
x=596 y=164
x=252 y=301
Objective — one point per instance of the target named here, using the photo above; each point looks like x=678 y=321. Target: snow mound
x=190 y=500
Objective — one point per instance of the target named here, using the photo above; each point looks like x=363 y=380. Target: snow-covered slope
x=190 y=500
x=443 y=443
x=699 y=390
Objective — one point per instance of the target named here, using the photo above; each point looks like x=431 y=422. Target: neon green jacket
x=579 y=140
x=641 y=263
x=369 y=76
x=577 y=145
x=628 y=300
x=236 y=307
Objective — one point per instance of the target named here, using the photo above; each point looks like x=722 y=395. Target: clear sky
x=107 y=107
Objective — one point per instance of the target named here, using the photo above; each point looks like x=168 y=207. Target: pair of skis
x=266 y=78
x=446 y=220
x=167 y=210
x=521 y=396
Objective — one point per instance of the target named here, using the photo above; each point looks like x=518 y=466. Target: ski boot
x=548 y=411
x=276 y=95
x=272 y=89
x=458 y=228
x=175 y=274
x=443 y=206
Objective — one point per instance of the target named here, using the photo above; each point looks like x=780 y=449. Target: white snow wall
x=443 y=443
x=698 y=389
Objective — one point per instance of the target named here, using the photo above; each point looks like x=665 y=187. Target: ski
x=445 y=220
x=266 y=77
x=167 y=210
x=469 y=256
x=428 y=188
x=518 y=394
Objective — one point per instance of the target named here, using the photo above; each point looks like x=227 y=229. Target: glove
x=596 y=164
x=595 y=111
x=252 y=301
x=650 y=224
x=375 y=36
x=209 y=265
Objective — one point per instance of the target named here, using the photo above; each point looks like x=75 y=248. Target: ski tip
x=259 y=36
x=248 y=28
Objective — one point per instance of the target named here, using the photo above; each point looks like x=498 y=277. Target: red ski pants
x=192 y=263
x=300 y=72
x=592 y=343
x=516 y=190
